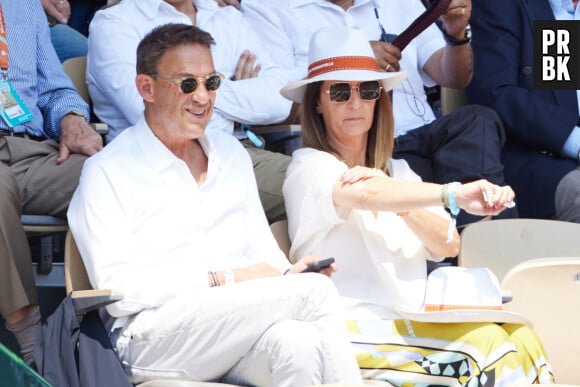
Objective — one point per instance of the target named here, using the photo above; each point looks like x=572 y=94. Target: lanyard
x=384 y=37
x=3 y=46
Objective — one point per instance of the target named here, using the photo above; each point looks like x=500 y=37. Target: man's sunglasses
x=341 y=92
x=189 y=84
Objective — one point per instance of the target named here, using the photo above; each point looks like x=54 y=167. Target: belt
x=5 y=133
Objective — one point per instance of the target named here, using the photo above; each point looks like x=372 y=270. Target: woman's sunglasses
x=189 y=84
x=341 y=92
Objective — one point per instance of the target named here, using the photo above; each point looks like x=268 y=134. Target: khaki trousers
x=270 y=171
x=30 y=183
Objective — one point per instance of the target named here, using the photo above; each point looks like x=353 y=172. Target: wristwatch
x=458 y=42
x=76 y=113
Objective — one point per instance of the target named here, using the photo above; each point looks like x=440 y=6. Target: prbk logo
x=557 y=54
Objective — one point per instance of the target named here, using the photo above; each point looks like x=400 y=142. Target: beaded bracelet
x=214 y=278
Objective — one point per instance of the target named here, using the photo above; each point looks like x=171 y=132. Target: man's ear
x=145 y=87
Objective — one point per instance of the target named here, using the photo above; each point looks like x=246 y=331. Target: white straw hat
x=459 y=294
x=343 y=54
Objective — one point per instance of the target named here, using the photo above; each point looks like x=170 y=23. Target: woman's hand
x=358 y=173
x=304 y=262
x=484 y=198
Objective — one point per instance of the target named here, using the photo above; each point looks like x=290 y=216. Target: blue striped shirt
x=35 y=71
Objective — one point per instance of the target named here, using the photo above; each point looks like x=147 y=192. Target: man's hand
x=304 y=262
x=77 y=136
x=386 y=55
x=58 y=10
x=245 y=68
x=256 y=271
x=456 y=18
x=225 y=3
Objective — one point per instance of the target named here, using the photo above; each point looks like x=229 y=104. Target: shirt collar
x=154 y=151
x=161 y=158
x=213 y=159
x=561 y=5
x=324 y=3
x=152 y=8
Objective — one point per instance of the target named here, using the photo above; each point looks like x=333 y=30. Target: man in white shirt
x=195 y=307
x=249 y=93
x=462 y=146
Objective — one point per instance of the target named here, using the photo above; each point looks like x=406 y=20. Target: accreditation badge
x=13 y=110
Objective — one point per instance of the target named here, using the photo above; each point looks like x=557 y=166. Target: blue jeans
x=68 y=42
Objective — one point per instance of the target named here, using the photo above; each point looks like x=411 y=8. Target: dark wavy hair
x=163 y=38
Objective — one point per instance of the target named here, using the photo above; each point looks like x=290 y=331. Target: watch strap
x=77 y=113
x=458 y=42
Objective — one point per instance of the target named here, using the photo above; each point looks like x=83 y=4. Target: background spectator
x=542 y=151
x=250 y=90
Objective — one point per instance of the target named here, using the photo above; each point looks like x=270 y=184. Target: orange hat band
x=441 y=307
x=342 y=63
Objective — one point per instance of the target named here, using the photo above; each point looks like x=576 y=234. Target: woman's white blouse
x=381 y=263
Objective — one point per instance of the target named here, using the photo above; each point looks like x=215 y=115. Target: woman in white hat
x=345 y=197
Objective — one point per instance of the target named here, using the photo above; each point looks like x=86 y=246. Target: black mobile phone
x=319 y=265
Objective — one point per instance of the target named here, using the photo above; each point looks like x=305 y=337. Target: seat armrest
x=100 y=127
x=288 y=129
x=85 y=301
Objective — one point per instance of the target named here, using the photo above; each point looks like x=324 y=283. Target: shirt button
x=527 y=70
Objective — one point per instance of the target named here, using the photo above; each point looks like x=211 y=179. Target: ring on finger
x=388 y=67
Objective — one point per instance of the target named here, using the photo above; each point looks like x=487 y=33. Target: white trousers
x=279 y=331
